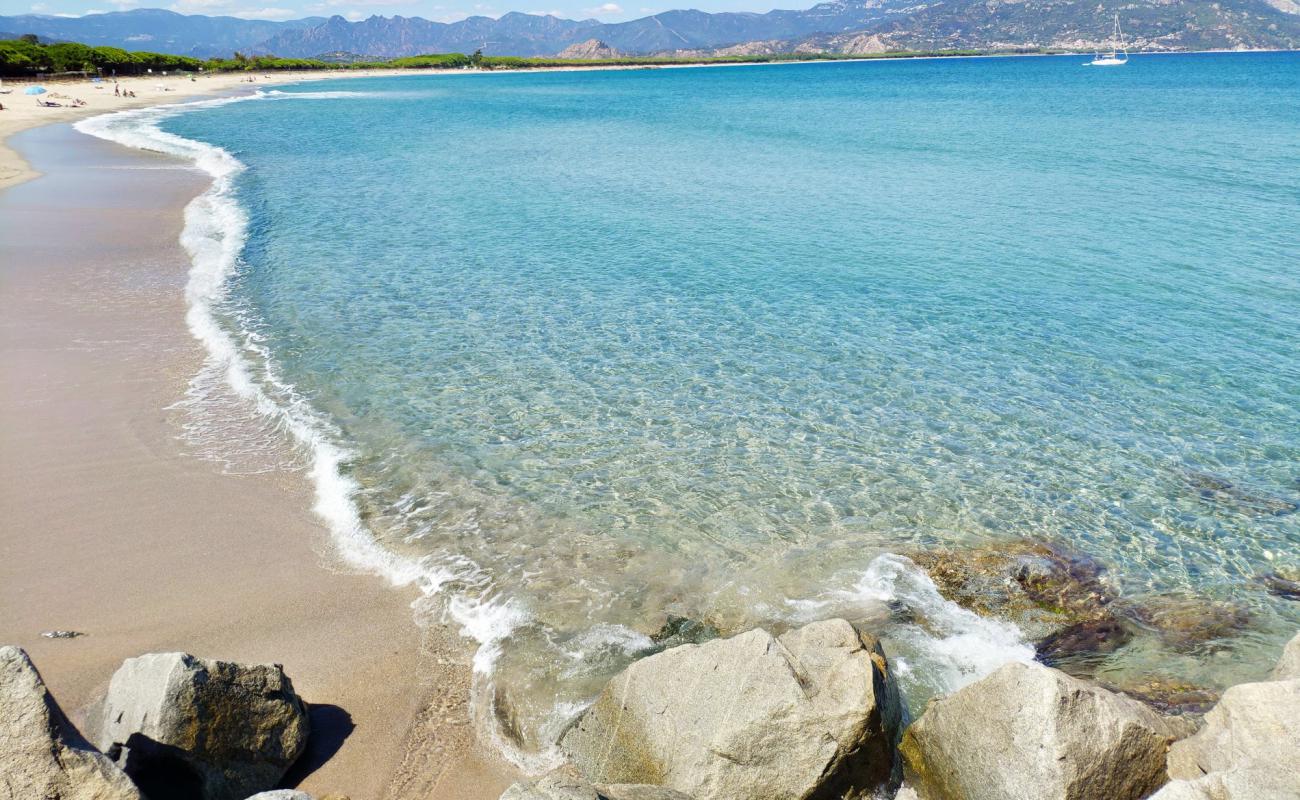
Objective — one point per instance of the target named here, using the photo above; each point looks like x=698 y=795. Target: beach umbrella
x=34 y=90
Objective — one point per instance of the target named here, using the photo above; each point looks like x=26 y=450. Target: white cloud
x=545 y=13
x=605 y=10
x=122 y=5
x=231 y=9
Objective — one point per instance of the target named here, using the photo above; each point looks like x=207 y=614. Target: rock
x=1030 y=732
x=1224 y=493
x=812 y=713
x=1080 y=647
x=1248 y=748
x=212 y=730
x=590 y=50
x=681 y=630
x=640 y=791
x=1248 y=785
x=41 y=755
x=1043 y=589
x=61 y=634
x=282 y=794
x=1288 y=666
x=1280 y=586
x=1189 y=623
x=1167 y=695
x=567 y=783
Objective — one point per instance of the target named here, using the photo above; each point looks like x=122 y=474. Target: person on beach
x=116 y=93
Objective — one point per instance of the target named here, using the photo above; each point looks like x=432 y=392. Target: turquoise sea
x=581 y=350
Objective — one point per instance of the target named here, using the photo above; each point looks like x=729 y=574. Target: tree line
x=28 y=57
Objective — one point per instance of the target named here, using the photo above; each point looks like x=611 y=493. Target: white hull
x=1117 y=56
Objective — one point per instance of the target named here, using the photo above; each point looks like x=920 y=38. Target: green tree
x=477 y=58
x=29 y=38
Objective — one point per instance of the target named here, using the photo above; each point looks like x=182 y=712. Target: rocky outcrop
x=211 y=729
x=590 y=50
x=1035 y=733
x=41 y=755
x=812 y=713
x=1288 y=666
x=1248 y=748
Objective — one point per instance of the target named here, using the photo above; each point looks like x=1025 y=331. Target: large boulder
x=41 y=755
x=210 y=730
x=1288 y=666
x=1249 y=746
x=814 y=712
x=1030 y=732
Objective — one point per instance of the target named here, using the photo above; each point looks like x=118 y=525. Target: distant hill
x=590 y=50
x=838 y=26
x=157 y=30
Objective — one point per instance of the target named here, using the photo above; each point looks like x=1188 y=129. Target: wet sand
x=112 y=526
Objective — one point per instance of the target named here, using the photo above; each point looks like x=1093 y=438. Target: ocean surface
x=578 y=351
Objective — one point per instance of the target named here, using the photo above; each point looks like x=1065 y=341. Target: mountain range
x=842 y=26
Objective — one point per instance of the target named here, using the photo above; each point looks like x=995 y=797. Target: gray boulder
x=1288 y=666
x=41 y=755
x=282 y=794
x=1249 y=746
x=812 y=713
x=212 y=730
x=1029 y=732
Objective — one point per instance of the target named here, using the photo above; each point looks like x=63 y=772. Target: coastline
x=144 y=547
x=100 y=352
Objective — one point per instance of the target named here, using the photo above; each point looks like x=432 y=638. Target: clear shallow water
x=589 y=348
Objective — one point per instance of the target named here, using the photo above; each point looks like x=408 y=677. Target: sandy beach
x=115 y=528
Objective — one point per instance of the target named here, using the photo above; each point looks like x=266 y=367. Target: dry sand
x=113 y=527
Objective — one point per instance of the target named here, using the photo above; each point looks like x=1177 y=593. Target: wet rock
x=1029 y=731
x=1248 y=747
x=1041 y=588
x=1169 y=696
x=1079 y=648
x=681 y=630
x=41 y=755
x=1288 y=666
x=1187 y=624
x=812 y=713
x=61 y=634
x=1279 y=586
x=1229 y=495
x=211 y=730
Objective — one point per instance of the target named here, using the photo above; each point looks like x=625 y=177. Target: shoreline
x=147 y=547
x=289 y=484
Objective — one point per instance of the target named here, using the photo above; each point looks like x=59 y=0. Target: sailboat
x=1117 y=56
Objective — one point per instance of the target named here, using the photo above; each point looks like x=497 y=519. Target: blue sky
x=442 y=10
